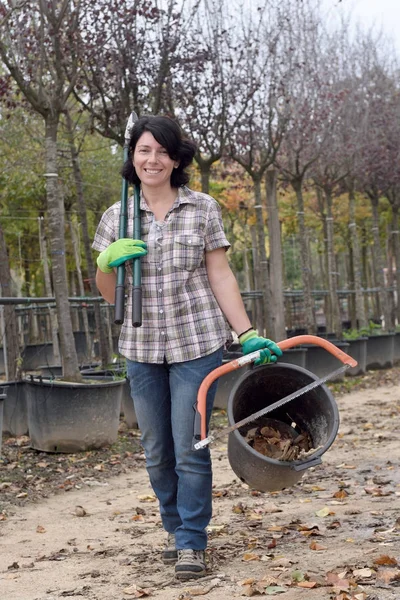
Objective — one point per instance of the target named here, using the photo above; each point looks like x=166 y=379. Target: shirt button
x=159 y=269
x=160 y=290
x=189 y=241
x=161 y=311
x=162 y=332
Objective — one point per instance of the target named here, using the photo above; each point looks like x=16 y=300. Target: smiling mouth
x=153 y=171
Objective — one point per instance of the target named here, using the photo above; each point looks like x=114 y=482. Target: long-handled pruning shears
x=123 y=223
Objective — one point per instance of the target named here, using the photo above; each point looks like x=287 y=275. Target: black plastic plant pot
x=321 y=363
x=314 y=413
x=117 y=371
x=127 y=407
x=34 y=355
x=50 y=370
x=15 y=411
x=295 y=356
x=380 y=351
x=73 y=417
x=358 y=350
x=54 y=371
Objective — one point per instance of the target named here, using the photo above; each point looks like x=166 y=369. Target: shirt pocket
x=188 y=251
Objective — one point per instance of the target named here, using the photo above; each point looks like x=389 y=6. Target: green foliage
x=371 y=329
x=23 y=193
x=352 y=334
x=292 y=264
x=346 y=386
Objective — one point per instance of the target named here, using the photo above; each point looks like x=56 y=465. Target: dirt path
x=335 y=535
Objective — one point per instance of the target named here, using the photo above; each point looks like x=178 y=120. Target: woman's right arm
x=106 y=285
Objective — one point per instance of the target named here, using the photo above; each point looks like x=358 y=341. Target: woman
x=189 y=296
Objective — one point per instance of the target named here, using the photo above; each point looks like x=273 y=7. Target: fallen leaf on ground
x=249 y=556
x=238 y=509
x=316 y=546
x=340 y=494
x=40 y=529
x=344 y=596
x=324 y=512
x=363 y=573
x=387 y=576
x=275 y=589
x=385 y=560
x=378 y=492
x=200 y=591
x=272 y=508
x=136 y=591
x=336 y=581
x=147 y=498
x=334 y=525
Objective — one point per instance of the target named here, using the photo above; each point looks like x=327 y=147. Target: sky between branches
x=379 y=14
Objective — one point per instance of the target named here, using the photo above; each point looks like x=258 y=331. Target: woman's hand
x=251 y=341
x=120 y=251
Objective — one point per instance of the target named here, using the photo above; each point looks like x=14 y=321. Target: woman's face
x=152 y=163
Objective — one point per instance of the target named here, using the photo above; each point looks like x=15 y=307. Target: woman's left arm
x=226 y=290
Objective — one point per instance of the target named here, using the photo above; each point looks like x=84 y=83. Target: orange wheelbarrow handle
x=200 y=432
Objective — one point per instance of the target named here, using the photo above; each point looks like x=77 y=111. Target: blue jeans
x=164 y=396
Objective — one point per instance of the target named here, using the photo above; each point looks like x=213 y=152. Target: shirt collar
x=185 y=196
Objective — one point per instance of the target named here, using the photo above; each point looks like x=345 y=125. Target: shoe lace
x=187 y=554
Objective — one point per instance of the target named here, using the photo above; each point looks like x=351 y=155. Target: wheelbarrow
x=287 y=393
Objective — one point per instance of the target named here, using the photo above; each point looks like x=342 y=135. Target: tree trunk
x=75 y=245
x=205 y=170
x=55 y=207
x=332 y=269
x=104 y=348
x=365 y=273
x=395 y=202
x=362 y=320
x=378 y=265
x=268 y=308
x=305 y=260
x=8 y=325
x=49 y=292
x=390 y=277
x=246 y=270
x=396 y=251
x=324 y=262
x=259 y=315
x=275 y=254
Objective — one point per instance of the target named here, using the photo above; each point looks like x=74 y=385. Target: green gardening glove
x=120 y=251
x=251 y=341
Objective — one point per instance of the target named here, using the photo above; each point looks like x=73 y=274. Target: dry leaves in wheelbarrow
x=279 y=440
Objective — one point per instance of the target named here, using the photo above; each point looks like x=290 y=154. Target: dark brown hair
x=169 y=135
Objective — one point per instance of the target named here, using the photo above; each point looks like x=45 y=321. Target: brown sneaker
x=191 y=564
x=170 y=553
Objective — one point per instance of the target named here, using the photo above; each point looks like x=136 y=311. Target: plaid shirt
x=181 y=319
